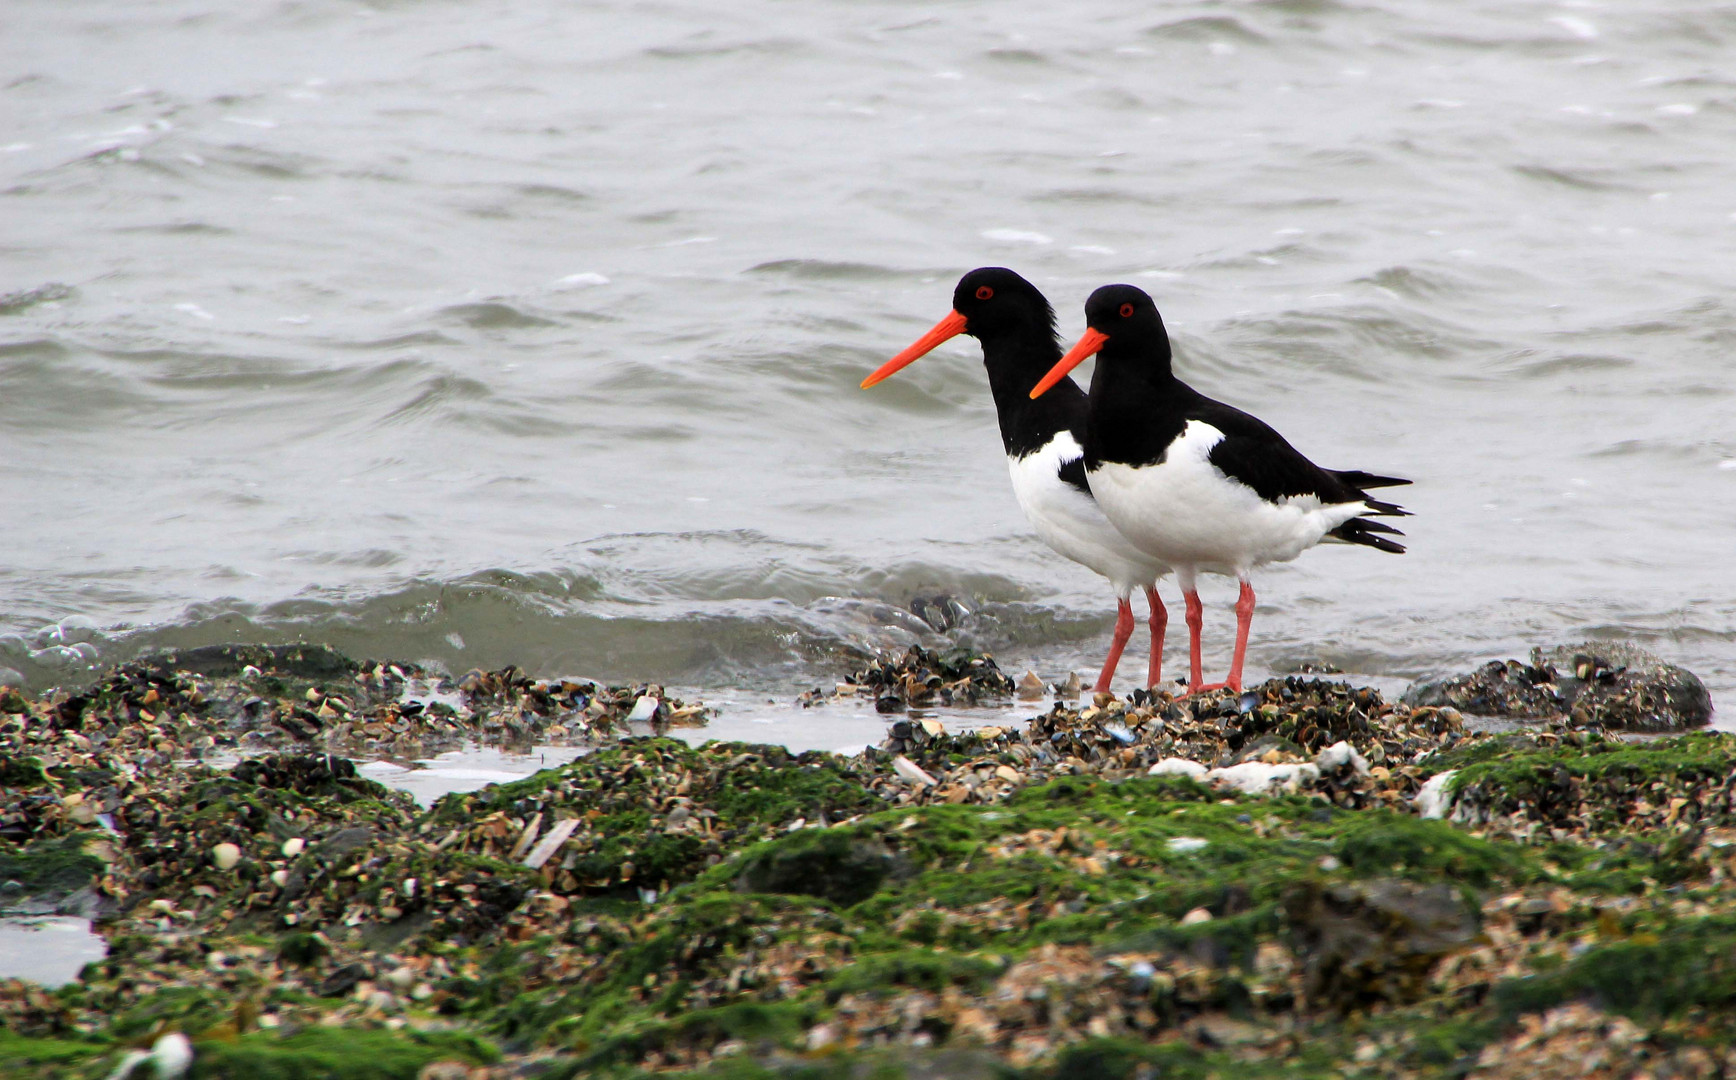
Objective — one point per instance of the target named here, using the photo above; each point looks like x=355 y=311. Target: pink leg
x=1195 y=619
x=1244 y=619
x=1159 y=624
x=1123 y=631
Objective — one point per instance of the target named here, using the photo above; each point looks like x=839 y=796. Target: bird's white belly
x=1187 y=512
x=1069 y=520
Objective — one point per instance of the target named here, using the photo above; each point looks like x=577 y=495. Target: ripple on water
x=1572 y=364
x=1582 y=179
x=1207 y=28
x=831 y=270
x=14 y=303
x=495 y=315
x=1354 y=339
x=1417 y=283
x=705 y=50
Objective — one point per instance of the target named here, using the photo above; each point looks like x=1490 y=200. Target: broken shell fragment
x=911 y=771
x=225 y=856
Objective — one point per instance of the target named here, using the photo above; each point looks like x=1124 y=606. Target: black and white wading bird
x=1196 y=483
x=1044 y=439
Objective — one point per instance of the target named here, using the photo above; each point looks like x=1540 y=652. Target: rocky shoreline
x=1303 y=880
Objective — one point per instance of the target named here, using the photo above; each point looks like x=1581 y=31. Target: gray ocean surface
x=484 y=333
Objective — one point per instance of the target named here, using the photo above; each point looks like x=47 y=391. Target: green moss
x=335 y=1054
x=899 y=1063
x=625 y=793
x=918 y=969
x=48 y=870
x=177 y=1008
x=762 y=1024
x=22 y=772
x=1390 y=844
x=21 y=1056
x=1708 y=757
x=1476 y=751
x=845 y=866
x=1687 y=965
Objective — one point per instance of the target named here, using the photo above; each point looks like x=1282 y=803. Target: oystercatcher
x=1044 y=440
x=1197 y=483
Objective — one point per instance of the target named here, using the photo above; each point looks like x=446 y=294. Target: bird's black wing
x=1252 y=453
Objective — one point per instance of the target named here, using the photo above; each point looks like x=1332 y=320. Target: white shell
x=225 y=856
x=1434 y=800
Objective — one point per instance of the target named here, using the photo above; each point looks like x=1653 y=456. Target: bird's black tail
x=1359 y=480
x=1369 y=534
x=1385 y=509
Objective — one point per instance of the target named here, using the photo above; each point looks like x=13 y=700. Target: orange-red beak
x=1087 y=345
x=949 y=327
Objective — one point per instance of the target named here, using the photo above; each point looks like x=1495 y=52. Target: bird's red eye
x=1127 y=311
x=984 y=292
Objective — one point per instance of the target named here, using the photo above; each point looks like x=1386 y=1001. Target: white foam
x=1017 y=236
x=580 y=280
x=1578 y=27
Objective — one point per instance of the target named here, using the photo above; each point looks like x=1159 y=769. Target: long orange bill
x=949 y=327
x=1088 y=344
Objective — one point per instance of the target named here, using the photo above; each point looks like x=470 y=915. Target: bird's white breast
x=1188 y=512
x=1070 y=521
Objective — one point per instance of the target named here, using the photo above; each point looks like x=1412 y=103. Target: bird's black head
x=995 y=301
x=1123 y=313
x=1003 y=311
x=1123 y=325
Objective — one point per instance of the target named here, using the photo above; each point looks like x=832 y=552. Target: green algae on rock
x=1599 y=785
x=1012 y=902
x=650 y=813
x=250 y=698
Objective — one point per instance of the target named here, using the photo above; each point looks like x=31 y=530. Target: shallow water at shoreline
x=47 y=949
x=475 y=335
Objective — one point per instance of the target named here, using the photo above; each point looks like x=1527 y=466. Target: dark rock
x=1612 y=685
x=309 y=774
x=345 y=841
x=832 y=864
x=302 y=948
x=342 y=981
x=1376 y=940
